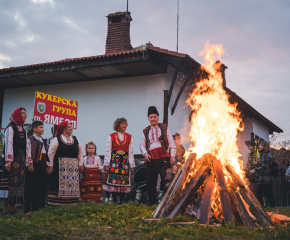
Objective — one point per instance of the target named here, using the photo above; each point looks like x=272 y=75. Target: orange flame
x=215 y=121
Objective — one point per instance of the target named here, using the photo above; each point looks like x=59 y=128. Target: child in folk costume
x=91 y=183
x=119 y=161
x=36 y=181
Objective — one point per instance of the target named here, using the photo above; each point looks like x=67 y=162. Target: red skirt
x=91 y=185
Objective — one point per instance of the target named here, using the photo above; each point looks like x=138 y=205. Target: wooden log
x=176 y=193
x=180 y=224
x=164 y=200
x=279 y=218
x=255 y=206
x=239 y=209
x=151 y=220
x=206 y=202
x=190 y=190
x=222 y=188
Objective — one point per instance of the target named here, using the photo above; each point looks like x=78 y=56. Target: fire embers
x=212 y=194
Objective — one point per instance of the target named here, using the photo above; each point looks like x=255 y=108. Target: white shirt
x=40 y=140
x=93 y=162
x=54 y=145
x=9 y=156
x=109 y=151
x=154 y=135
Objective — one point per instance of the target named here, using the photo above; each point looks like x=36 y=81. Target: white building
x=123 y=82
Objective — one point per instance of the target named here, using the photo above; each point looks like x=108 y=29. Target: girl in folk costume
x=65 y=156
x=17 y=157
x=119 y=161
x=35 y=182
x=91 y=183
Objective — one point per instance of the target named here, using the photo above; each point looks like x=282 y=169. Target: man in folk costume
x=158 y=147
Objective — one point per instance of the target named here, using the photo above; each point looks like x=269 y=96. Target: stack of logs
x=224 y=198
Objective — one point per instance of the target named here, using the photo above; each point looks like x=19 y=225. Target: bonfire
x=210 y=185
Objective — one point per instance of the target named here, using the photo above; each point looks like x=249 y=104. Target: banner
x=53 y=110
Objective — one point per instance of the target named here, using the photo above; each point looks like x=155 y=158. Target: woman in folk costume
x=36 y=181
x=91 y=183
x=119 y=161
x=17 y=157
x=65 y=156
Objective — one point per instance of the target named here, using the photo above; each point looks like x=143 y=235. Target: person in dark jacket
x=284 y=189
x=263 y=173
x=252 y=164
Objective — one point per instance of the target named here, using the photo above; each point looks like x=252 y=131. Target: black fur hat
x=152 y=110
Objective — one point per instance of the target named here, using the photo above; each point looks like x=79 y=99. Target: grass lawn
x=111 y=221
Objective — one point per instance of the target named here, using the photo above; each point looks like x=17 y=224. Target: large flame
x=215 y=121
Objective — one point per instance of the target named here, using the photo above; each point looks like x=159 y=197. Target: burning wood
x=207 y=198
x=223 y=192
x=190 y=190
x=226 y=199
x=214 y=129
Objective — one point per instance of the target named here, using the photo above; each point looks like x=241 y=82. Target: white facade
x=100 y=102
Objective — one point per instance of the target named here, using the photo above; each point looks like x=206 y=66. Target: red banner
x=53 y=110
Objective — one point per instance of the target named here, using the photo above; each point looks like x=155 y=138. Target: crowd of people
x=37 y=174
x=260 y=174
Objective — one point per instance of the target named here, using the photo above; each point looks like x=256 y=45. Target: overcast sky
x=255 y=34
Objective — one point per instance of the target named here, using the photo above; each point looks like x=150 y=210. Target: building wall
x=245 y=136
x=99 y=104
x=260 y=130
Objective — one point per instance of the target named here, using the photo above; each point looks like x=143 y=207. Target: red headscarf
x=16 y=117
x=61 y=127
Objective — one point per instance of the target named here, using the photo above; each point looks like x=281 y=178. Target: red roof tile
x=111 y=54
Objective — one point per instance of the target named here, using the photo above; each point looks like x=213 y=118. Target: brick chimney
x=118 y=36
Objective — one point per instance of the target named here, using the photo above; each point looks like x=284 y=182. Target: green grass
x=111 y=221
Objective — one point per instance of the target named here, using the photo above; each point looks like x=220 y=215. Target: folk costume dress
x=91 y=182
x=120 y=158
x=36 y=182
x=159 y=144
x=65 y=154
x=17 y=151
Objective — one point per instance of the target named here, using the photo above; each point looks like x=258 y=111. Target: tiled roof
x=71 y=60
x=117 y=53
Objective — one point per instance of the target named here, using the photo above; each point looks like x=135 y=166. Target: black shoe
x=13 y=213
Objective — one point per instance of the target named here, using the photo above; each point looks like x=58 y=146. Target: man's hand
x=8 y=166
x=147 y=157
x=49 y=170
x=252 y=171
x=30 y=168
x=254 y=163
x=106 y=168
x=81 y=168
x=131 y=169
x=172 y=161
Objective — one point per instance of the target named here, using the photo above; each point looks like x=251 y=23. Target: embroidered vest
x=36 y=148
x=19 y=141
x=118 y=145
x=164 y=151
